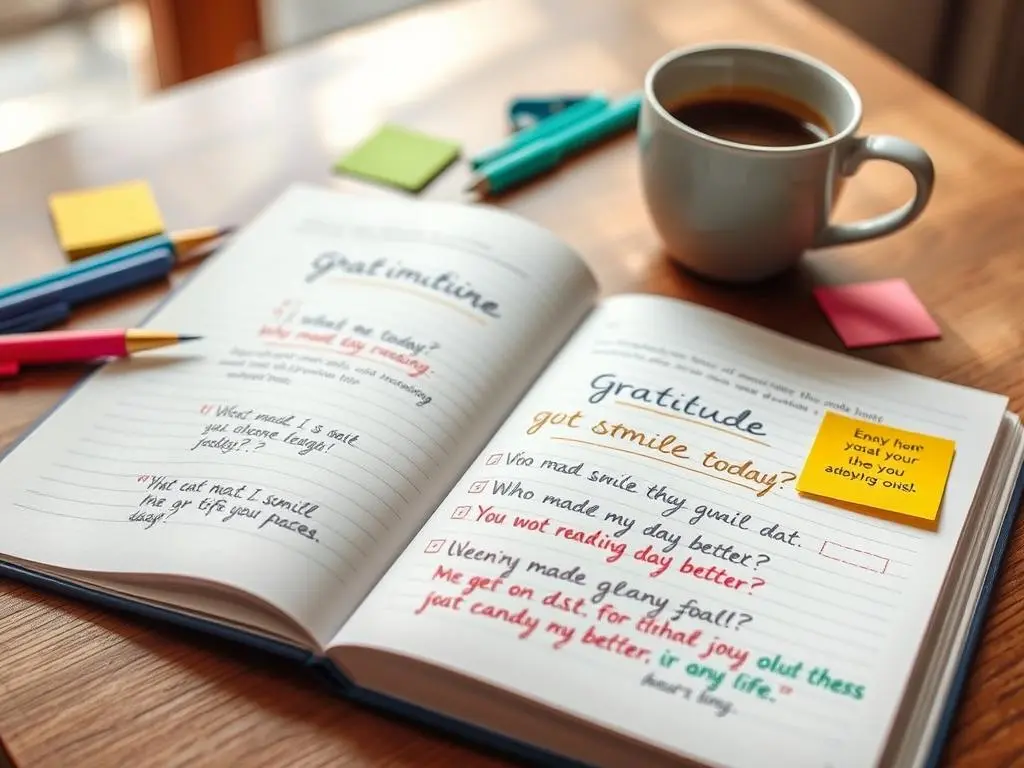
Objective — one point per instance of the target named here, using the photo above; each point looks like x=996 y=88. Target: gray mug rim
x=770 y=50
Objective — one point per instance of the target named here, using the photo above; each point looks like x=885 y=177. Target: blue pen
x=546 y=127
x=46 y=316
x=41 y=307
x=92 y=262
x=547 y=152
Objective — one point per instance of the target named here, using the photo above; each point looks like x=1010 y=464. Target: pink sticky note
x=878 y=312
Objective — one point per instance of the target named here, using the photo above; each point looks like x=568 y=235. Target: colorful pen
x=185 y=245
x=44 y=316
x=44 y=301
x=545 y=153
x=546 y=127
x=17 y=350
x=87 y=264
x=76 y=286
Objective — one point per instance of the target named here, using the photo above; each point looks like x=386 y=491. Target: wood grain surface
x=83 y=687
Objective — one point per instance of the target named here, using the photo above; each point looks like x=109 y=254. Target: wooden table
x=84 y=687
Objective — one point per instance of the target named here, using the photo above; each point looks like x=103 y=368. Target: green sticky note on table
x=399 y=157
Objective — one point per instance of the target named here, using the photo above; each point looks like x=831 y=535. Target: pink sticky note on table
x=874 y=313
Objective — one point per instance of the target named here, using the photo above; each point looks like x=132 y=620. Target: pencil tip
x=479 y=186
x=186 y=337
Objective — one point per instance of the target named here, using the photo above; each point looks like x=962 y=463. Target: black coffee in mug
x=743 y=147
x=751 y=116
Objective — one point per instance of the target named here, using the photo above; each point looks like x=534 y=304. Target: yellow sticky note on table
x=92 y=220
x=876 y=466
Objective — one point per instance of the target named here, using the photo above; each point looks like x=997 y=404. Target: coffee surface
x=753 y=119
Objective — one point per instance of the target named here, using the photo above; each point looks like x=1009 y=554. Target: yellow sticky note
x=92 y=220
x=876 y=466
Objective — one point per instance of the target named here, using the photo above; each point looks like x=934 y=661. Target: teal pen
x=546 y=127
x=542 y=155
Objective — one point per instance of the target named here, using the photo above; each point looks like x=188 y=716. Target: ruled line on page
x=320 y=522
x=347 y=461
x=771 y=597
x=767 y=504
x=764 y=369
x=305 y=555
x=258 y=481
x=580 y=656
x=410 y=463
x=207 y=460
x=240 y=391
x=263 y=404
x=426 y=453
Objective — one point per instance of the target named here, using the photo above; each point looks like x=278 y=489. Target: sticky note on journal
x=876 y=466
x=399 y=157
x=88 y=221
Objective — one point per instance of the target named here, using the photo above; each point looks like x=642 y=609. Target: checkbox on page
x=460 y=513
x=478 y=487
x=434 y=545
x=493 y=459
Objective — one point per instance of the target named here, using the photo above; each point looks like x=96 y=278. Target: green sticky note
x=399 y=157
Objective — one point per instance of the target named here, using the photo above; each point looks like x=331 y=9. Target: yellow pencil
x=192 y=243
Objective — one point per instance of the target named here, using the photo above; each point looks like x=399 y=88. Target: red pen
x=47 y=347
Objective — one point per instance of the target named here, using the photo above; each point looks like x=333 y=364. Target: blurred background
x=63 y=62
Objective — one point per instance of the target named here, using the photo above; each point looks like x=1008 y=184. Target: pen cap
x=544 y=127
x=615 y=118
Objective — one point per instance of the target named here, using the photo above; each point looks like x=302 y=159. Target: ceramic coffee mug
x=743 y=151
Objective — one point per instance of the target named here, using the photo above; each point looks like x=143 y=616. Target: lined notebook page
x=673 y=585
x=356 y=354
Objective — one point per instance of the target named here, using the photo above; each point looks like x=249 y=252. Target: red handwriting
x=526 y=623
x=597 y=539
x=717 y=650
x=567 y=603
x=616 y=643
x=659 y=562
x=665 y=630
x=487 y=515
x=274 y=332
x=531 y=523
x=718 y=576
x=435 y=600
x=347 y=345
x=522 y=619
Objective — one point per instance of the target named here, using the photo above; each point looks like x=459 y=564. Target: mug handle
x=895 y=150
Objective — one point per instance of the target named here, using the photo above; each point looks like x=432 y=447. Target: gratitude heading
x=446 y=283
x=609 y=385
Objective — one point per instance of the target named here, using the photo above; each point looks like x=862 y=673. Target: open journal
x=418 y=451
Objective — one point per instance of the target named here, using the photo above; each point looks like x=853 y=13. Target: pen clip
x=526 y=111
x=9 y=369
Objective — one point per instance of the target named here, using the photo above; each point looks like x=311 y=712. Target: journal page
x=356 y=354
x=630 y=548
